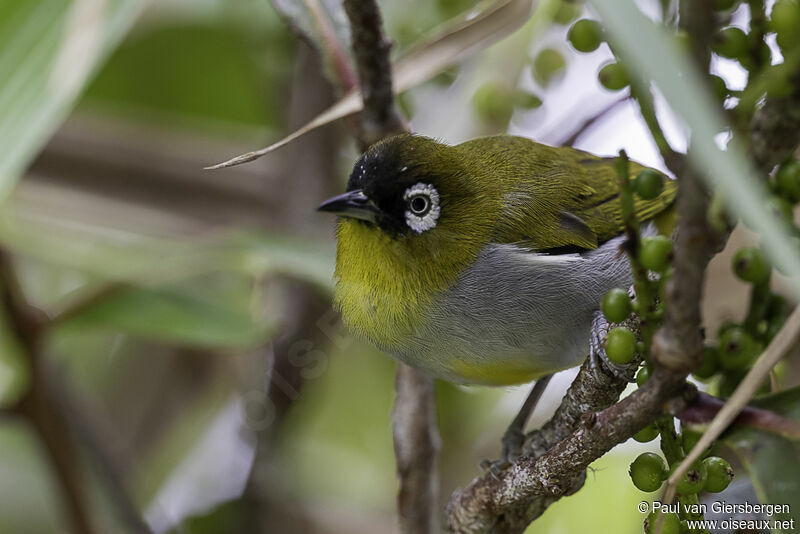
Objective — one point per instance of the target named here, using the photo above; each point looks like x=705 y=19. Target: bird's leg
x=597 y=353
x=514 y=436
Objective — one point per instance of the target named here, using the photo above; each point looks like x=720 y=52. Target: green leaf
x=772 y=461
x=143 y=260
x=647 y=49
x=207 y=312
x=47 y=52
x=298 y=258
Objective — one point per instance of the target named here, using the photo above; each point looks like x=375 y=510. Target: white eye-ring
x=423 y=207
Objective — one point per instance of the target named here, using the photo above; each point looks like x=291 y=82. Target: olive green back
x=556 y=197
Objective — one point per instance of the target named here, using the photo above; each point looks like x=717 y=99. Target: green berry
x=708 y=367
x=648 y=471
x=526 y=100
x=750 y=264
x=671 y=524
x=725 y=326
x=616 y=305
x=620 y=345
x=648 y=433
x=567 y=12
x=655 y=253
x=643 y=375
x=785 y=21
x=737 y=349
x=493 y=103
x=781 y=207
x=728 y=384
x=689 y=439
x=693 y=480
x=778 y=310
x=787 y=180
x=719 y=86
x=730 y=42
x=682 y=40
x=648 y=184
x=773 y=327
x=724 y=5
x=719 y=474
x=446 y=77
x=613 y=76
x=586 y=35
x=778 y=80
x=548 y=65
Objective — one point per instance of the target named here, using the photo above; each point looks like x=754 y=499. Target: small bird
x=483 y=262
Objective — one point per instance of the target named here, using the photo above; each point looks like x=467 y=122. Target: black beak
x=352 y=204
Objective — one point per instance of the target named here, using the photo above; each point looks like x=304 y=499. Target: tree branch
x=416 y=445
x=416 y=436
x=590 y=392
x=371 y=47
x=503 y=504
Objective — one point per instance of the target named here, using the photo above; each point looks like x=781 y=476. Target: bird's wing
x=567 y=199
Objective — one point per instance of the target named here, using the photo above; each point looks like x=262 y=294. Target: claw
x=494 y=467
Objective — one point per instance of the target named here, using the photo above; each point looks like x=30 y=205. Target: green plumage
x=557 y=197
x=425 y=288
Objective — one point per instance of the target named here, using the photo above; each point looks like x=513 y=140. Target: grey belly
x=518 y=309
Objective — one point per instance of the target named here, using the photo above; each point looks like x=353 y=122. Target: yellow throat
x=384 y=287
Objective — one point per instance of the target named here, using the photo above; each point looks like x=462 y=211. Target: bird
x=482 y=262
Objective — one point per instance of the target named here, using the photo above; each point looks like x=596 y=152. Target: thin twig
x=416 y=436
x=106 y=460
x=590 y=122
x=371 y=47
x=416 y=445
x=27 y=324
x=707 y=407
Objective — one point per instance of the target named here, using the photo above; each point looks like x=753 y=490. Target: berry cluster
x=739 y=344
x=653 y=254
x=650 y=257
x=749 y=48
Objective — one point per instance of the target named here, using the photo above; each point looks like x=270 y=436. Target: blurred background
x=202 y=374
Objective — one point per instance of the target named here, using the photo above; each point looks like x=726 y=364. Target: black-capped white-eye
x=422 y=207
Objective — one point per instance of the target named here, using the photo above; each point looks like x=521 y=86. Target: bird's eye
x=423 y=207
x=419 y=204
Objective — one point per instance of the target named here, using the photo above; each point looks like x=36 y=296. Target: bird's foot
x=512 y=443
x=599 y=364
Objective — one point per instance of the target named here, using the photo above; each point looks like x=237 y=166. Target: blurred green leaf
x=772 y=461
x=298 y=258
x=207 y=76
x=195 y=313
x=203 y=294
x=47 y=52
x=141 y=259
